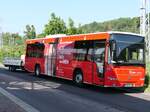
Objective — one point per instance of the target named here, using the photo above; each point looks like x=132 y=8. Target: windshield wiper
x=120 y=62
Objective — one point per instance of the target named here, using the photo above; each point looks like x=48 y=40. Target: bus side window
x=35 y=50
x=28 y=51
x=99 y=51
x=83 y=50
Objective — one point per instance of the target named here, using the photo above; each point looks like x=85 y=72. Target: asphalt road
x=48 y=94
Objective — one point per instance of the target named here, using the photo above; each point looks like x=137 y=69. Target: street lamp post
x=145 y=25
x=145 y=31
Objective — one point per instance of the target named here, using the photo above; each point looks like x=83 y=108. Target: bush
x=147 y=77
x=11 y=51
x=147 y=80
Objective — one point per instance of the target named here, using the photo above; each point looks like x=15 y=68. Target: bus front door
x=98 y=65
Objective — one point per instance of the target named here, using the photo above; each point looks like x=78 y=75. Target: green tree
x=33 y=31
x=6 y=38
x=11 y=39
x=79 y=29
x=13 y=45
x=121 y=24
x=42 y=35
x=30 y=32
x=71 y=29
x=17 y=39
x=55 y=26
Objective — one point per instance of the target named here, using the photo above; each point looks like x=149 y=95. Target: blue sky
x=16 y=14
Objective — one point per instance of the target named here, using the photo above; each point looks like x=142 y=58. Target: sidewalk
x=6 y=105
x=1 y=65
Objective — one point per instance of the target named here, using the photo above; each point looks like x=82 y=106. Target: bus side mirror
x=113 y=45
x=113 y=48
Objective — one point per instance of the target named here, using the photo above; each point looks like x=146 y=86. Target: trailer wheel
x=9 y=68
x=12 y=68
x=37 y=70
x=78 y=78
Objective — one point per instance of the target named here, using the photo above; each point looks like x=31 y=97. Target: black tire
x=37 y=70
x=9 y=68
x=12 y=68
x=78 y=78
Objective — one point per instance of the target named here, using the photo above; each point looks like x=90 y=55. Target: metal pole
x=143 y=17
x=147 y=34
x=147 y=29
x=145 y=25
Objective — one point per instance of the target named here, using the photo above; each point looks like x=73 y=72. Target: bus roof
x=90 y=36
x=69 y=38
x=78 y=37
x=40 y=40
x=126 y=33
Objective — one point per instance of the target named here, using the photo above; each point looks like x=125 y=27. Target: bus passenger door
x=51 y=60
x=83 y=59
x=98 y=62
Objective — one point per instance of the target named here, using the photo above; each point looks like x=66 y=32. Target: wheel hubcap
x=78 y=78
x=37 y=71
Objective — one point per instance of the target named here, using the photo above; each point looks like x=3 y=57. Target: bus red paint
x=109 y=59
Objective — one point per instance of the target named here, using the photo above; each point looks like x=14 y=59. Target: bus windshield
x=129 y=49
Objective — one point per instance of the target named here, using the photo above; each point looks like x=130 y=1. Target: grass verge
x=147 y=78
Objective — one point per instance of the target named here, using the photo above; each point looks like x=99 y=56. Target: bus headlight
x=112 y=78
x=142 y=79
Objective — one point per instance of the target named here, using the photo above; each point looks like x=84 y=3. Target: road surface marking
x=143 y=96
x=18 y=101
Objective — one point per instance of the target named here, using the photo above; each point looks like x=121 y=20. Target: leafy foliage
x=30 y=32
x=42 y=35
x=147 y=77
x=121 y=24
x=11 y=39
x=11 y=51
x=13 y=45
x=71 y=29
x=55 y=26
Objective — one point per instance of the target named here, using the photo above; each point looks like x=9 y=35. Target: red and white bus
x=109 y=59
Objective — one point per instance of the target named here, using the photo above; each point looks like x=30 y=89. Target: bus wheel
x=37 y=70
x=78 y=78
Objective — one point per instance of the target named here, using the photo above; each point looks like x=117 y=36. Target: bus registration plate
x=128 y=85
